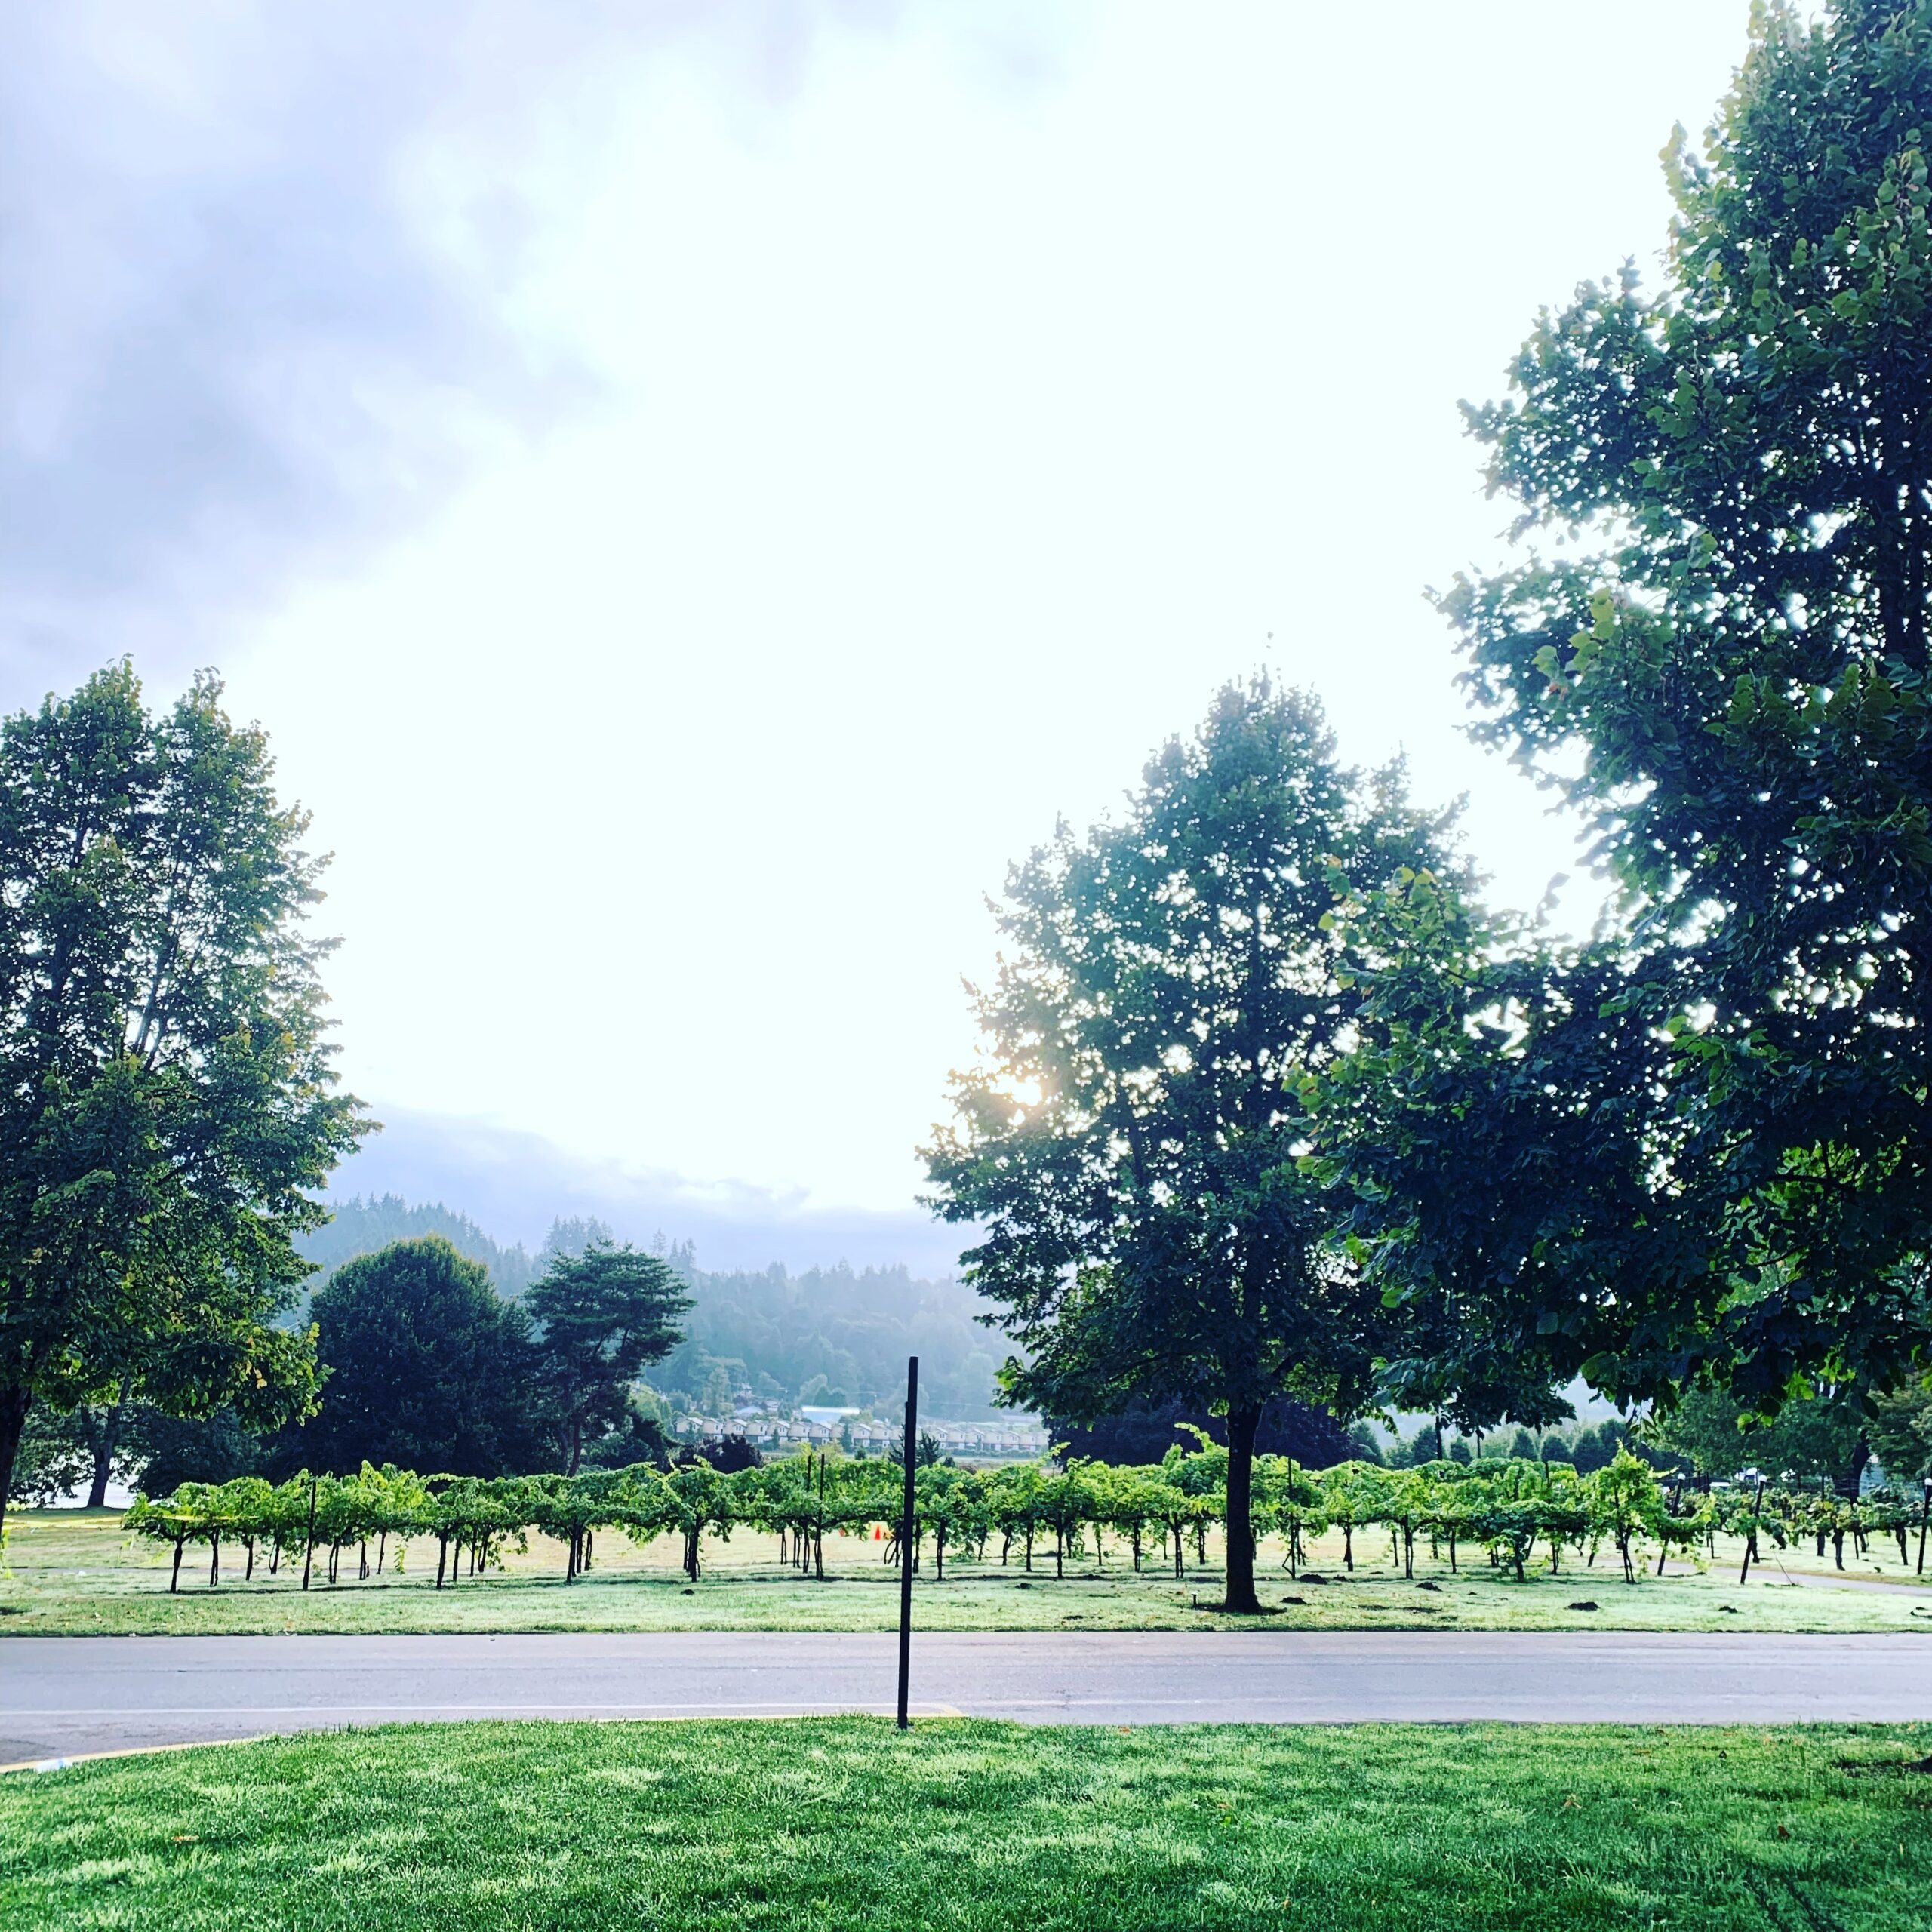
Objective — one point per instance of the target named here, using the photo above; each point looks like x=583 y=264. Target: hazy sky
x=694 y=490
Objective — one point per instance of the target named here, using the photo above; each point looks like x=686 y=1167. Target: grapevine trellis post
x=911 y=1457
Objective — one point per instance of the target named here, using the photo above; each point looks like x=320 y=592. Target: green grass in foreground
x=69 y=1573
x=844 y=1824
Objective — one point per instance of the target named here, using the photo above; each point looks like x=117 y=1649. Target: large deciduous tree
x=1133 y=1147
x=166 y=1102
x=1700 y=1146
x=602 y=1314
x=428 y=1368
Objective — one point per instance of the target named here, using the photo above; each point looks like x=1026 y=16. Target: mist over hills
x=517 y=1184
x=358 y=1226
x=838 y=1336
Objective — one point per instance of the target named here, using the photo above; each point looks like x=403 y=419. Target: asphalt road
x=64 y=1696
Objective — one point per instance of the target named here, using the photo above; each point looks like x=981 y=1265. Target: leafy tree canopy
x=1133 y=1145
x=428 y=1368
x=1701 y=1141
x=166 y=1102
x=1815 y=1434
x=1900 y=1433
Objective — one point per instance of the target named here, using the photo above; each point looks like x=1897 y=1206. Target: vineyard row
x=1517 y=1513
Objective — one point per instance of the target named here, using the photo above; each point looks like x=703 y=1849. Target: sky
x=694 y=491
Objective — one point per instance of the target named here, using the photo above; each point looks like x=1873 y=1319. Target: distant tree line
x=360 y=1226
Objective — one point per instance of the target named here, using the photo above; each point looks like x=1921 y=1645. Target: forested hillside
x=830 y=1335
x=360 y=1227
x=834 y=1337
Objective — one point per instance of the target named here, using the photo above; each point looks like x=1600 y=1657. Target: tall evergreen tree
x=603 y=1311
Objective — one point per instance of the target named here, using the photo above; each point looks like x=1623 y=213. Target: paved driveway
x=64 y=1696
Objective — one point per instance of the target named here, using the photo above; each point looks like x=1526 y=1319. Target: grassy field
x=844 y=1824
x=68 y=1571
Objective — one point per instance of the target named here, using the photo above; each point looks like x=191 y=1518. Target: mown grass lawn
x=844 y=1823
x=68 y=1573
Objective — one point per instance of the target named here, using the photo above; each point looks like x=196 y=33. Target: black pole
x=308 y=1535
x=1924 y=1518
x=912 y=1453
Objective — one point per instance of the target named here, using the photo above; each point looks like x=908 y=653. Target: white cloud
x=262 y=277
x=933 y=413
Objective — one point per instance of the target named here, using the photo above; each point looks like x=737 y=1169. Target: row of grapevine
x=1512 y=1513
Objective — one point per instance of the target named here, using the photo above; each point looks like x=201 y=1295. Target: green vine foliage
x=1520 y=1513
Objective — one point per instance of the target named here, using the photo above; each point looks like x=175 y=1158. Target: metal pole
x=912 y=1455
x=308 y=1535
x=1924 y=1518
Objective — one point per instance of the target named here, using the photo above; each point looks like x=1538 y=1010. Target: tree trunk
x=102 y=1440
x=1852 y=1474
x=1242 y=1423
x=15 y=1403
